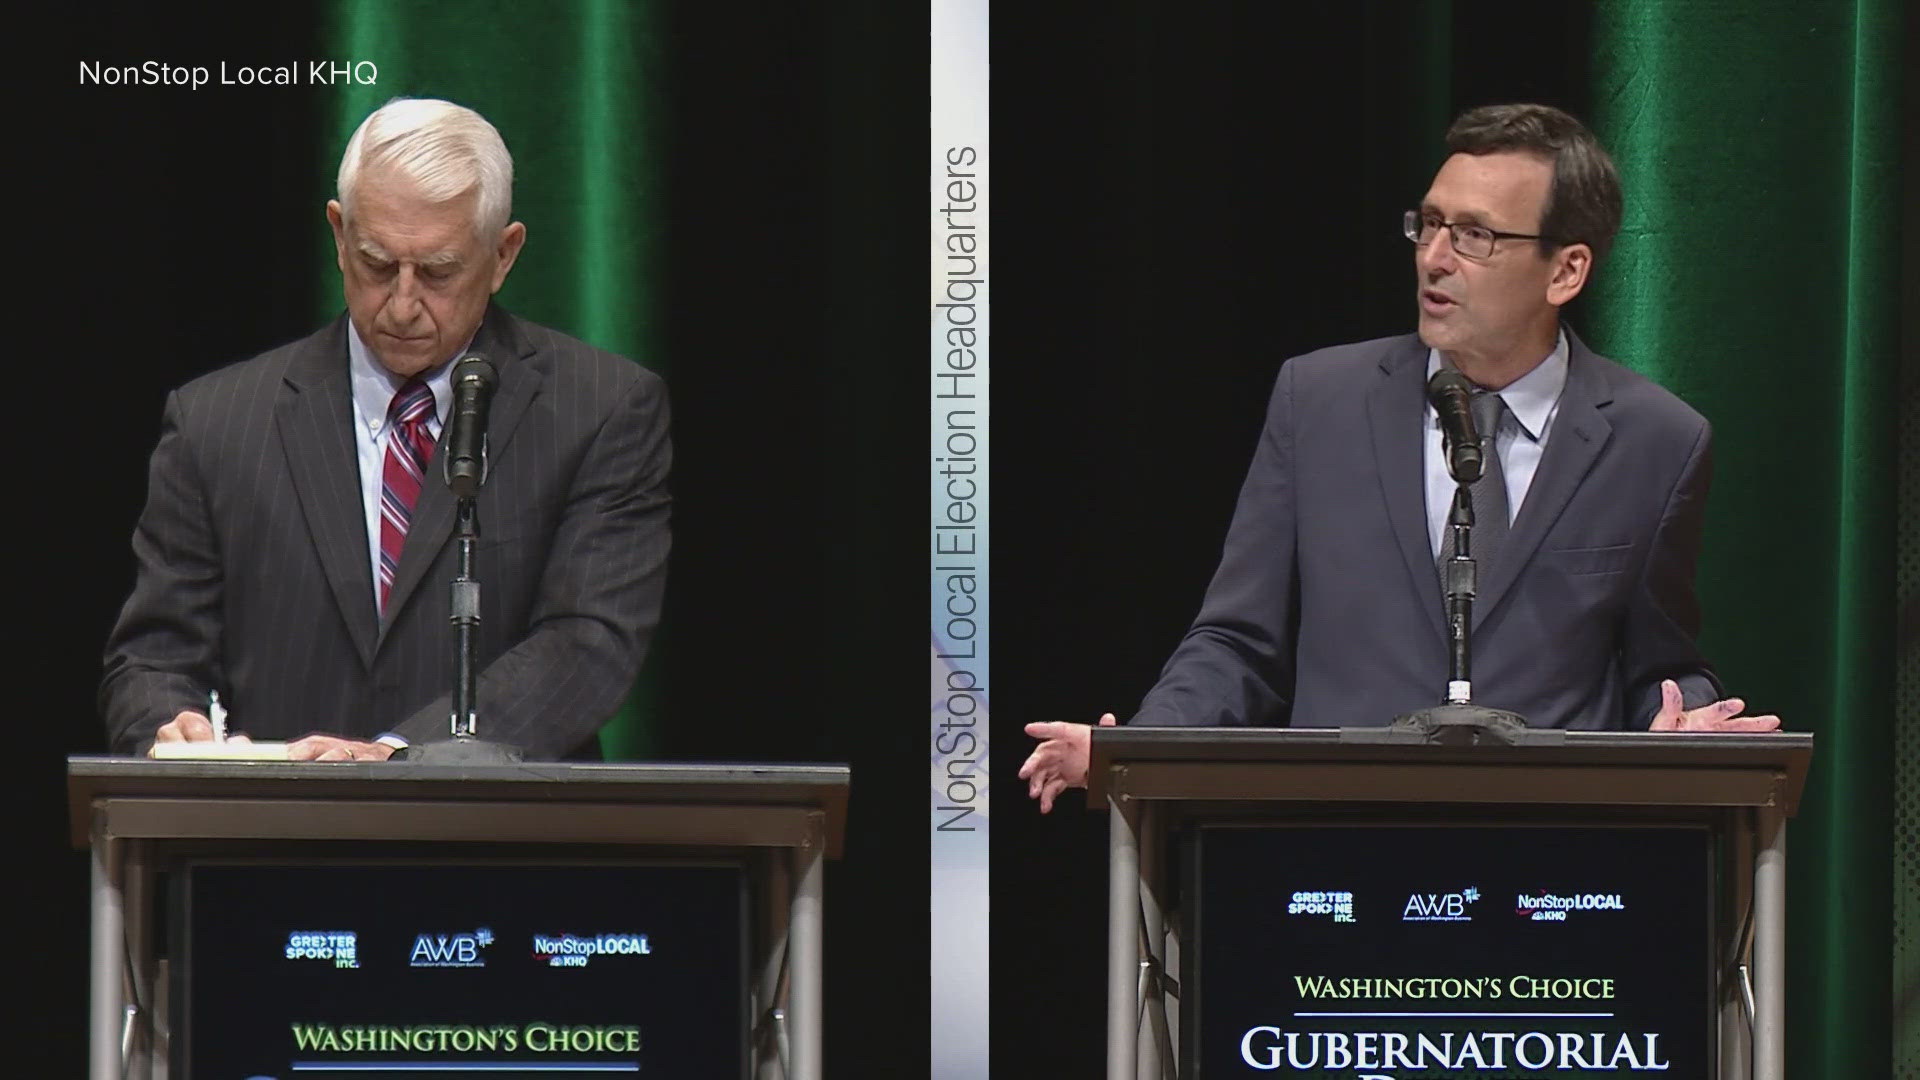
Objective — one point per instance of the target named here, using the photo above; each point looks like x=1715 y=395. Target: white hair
x=444 y=150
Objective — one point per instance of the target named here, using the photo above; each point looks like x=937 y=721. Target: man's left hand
x=1719 y=716
x=334 y=748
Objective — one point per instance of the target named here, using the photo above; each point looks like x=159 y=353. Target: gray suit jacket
x=1327 y=610
x=254 y=575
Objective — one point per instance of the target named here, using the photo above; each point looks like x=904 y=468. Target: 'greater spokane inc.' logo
x=574 y=950
x=339 y=946
x=450 y=950
x=1440 y=907
x=1338 y=904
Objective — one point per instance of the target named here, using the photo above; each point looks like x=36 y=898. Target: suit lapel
x=500 y=341
x=1395 y=408
x=314 y=415
x=1579 y=433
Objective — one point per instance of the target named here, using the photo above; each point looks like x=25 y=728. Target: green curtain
x=1756 y=275
x=568 y=87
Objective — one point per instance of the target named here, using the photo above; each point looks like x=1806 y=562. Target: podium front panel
x=1409 y=948
x=459 y=967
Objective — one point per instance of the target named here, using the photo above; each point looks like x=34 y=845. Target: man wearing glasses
x=1327 y=607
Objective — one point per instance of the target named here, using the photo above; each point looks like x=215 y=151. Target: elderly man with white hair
x=294 y=554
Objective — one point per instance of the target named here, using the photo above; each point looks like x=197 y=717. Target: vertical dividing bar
x=1123 y=941
x=107 y=1002
x=1770 y=945
x=805 y=956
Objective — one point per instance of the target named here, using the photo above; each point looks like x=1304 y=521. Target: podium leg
x=136 y=877
x=1123 y=943
x=805 y=957
x=770 y=1048
x=1154 y=1055
x=1735 y=961
x=1770 y=945
x=107 y=994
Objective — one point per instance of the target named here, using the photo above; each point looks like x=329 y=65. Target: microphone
x=1451 y=395
x=465 y=465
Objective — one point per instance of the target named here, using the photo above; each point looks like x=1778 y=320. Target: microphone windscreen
x=473 y=366
x=1447 y=381
x=1451 y=395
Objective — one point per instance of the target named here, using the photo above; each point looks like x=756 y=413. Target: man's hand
x=334 y=748
x=189 y=726
x=1060 y=761
x=1719 y=716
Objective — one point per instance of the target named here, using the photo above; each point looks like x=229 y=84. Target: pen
x=218 y=715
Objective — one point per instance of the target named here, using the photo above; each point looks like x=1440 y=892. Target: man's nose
x=1437 y=257
x=404 y=298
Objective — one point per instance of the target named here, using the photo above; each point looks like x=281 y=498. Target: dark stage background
x=783 y=174
x=1181 y=200
x=1195 y=194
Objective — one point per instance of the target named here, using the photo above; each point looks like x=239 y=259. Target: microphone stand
x=1461 y=587
x=1459 y=722
x=464 y=748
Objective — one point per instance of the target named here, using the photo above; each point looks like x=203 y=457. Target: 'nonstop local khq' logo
x=574 y=950
x=1440 y=907
x=450 y=950
x=1544 y=906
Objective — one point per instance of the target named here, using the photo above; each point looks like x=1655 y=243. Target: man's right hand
x=189 y=726
x=1060 y=761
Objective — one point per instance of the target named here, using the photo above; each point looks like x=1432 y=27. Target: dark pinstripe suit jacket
x=253 y=563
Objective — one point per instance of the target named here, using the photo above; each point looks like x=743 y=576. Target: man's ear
x=338 y=221
x=1572 y=265
x=512 y=239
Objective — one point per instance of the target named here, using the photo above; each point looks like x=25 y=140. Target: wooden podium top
x=543 y=790
x=1585 y=768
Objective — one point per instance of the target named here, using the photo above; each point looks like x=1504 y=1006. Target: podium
x=1160 y=784
x=141 y=817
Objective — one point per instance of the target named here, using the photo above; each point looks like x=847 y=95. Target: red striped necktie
x=409 y=448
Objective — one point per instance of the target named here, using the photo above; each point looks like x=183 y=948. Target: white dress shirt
x=1533 y=399
x=373 y=390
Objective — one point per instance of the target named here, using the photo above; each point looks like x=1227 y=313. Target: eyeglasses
x=1473 y=241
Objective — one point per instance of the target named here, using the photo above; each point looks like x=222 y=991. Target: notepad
x=221 y=751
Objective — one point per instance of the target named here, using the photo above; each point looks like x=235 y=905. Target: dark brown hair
x=1584 y=201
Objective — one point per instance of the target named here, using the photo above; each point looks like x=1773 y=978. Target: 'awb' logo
x=1439 y=907
x=450 y=950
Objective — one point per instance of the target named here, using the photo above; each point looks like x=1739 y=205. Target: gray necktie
x=1489 y=492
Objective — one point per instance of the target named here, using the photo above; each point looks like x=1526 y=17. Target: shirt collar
x=374 y=386
x=1532 y=396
